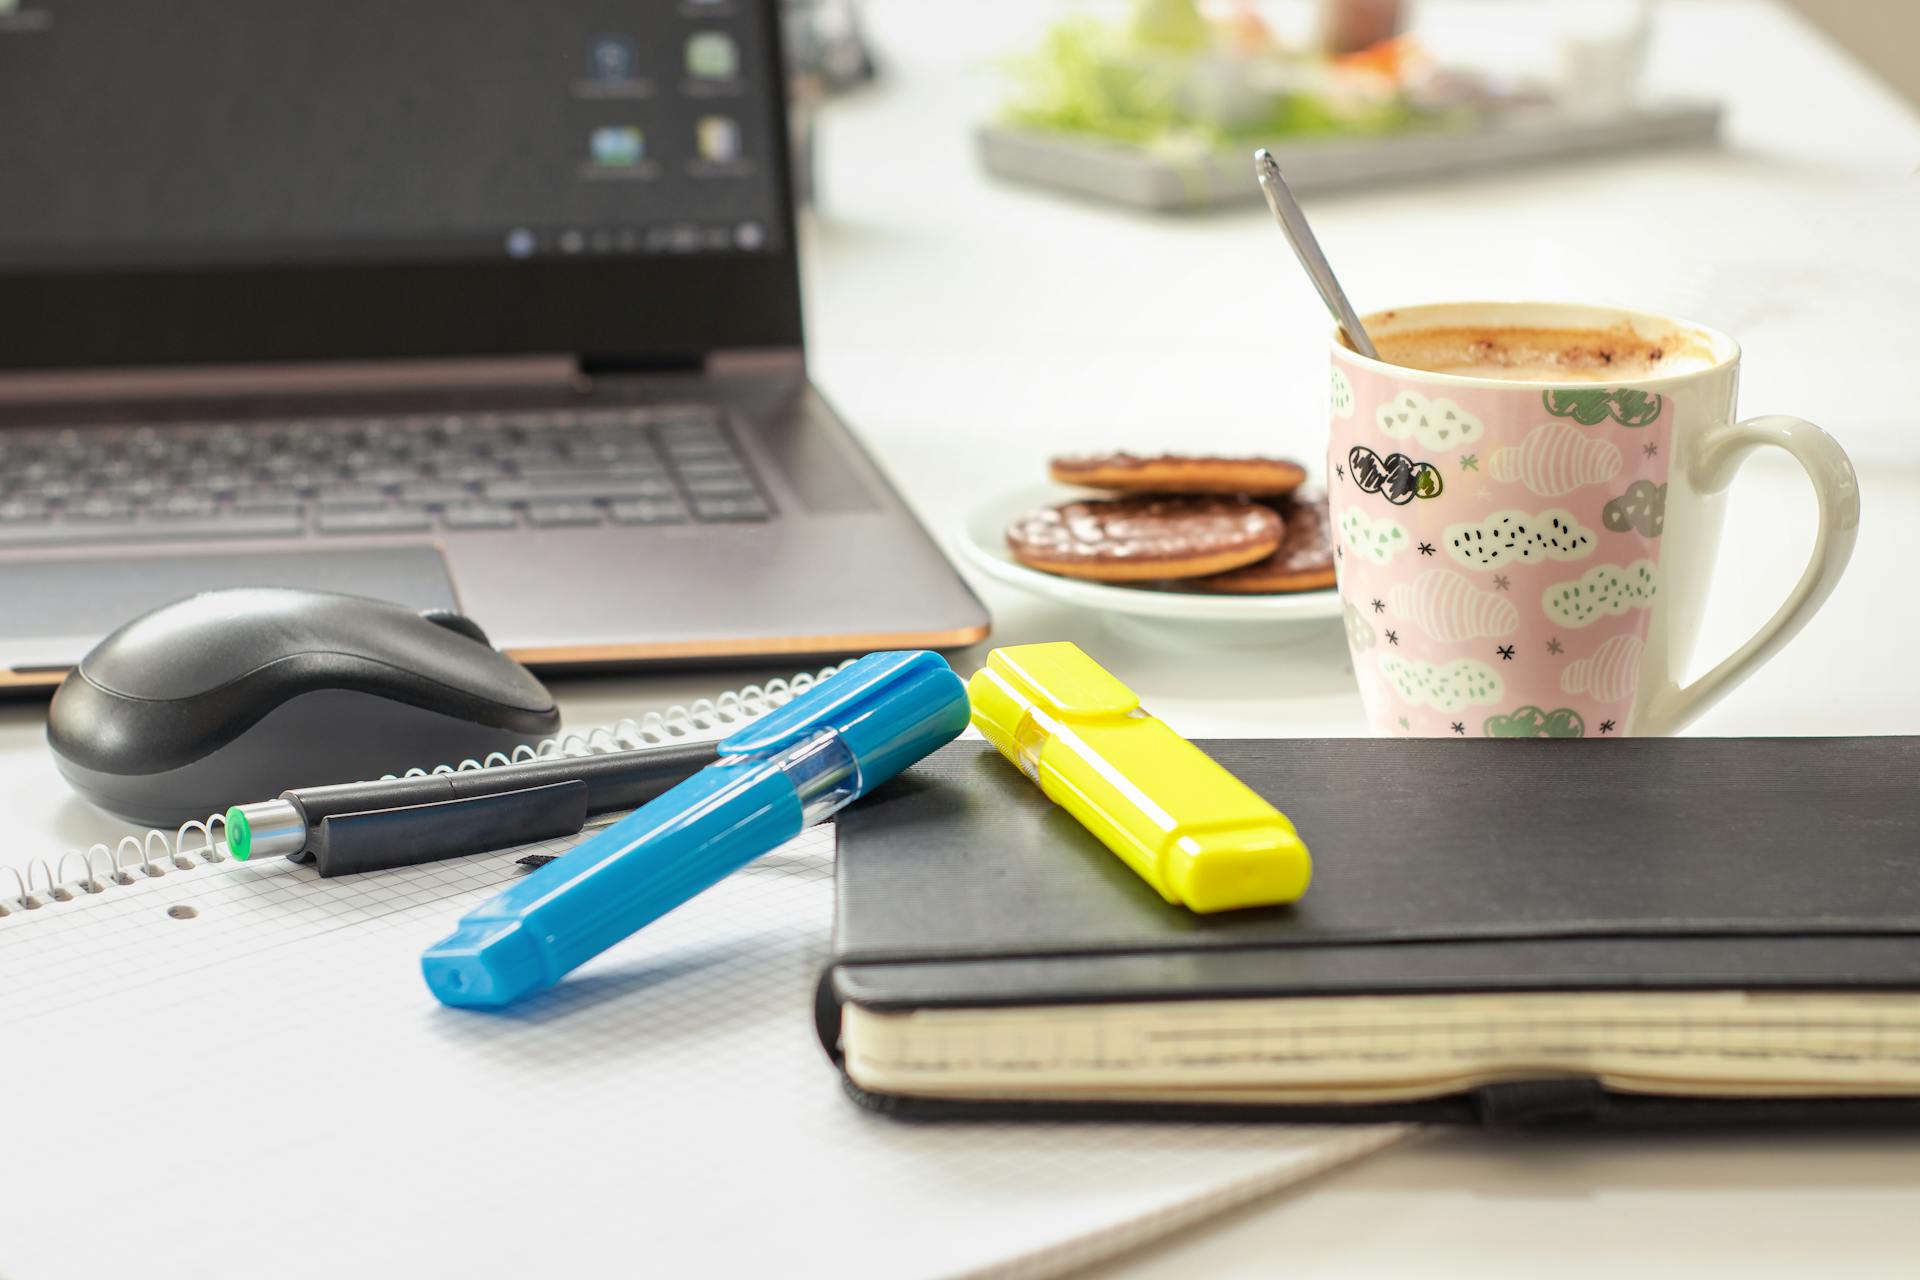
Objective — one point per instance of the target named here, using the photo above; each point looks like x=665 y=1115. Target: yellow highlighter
x=1189 y=828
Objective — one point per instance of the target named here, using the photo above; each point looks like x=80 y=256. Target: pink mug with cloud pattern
x=1527 y=555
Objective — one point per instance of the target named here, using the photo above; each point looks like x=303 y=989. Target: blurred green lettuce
x=1132 y=85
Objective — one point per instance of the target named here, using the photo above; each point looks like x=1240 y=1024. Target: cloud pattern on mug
x=1532 y=722
x=1602 y=590
x=1439 y=425
x=1448 y=607
x=1447 y=687
x=1360 y=632
x=1642 y=509
x=1612 y=673
x=1517 y=535
x=1378 y=540
x=1340 y=395
x=1396 y=477
x=1556 y=459
x=1512 y=597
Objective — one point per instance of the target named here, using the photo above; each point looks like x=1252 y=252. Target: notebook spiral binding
x=150 y=854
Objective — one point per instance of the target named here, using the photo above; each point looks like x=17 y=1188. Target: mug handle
x=1838 y=490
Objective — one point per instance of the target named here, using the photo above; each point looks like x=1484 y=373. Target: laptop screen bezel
x=639 y=311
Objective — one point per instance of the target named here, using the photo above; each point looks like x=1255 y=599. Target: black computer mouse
x=235 y=696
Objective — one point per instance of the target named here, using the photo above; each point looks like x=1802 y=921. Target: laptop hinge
x=636 y=366
x=761 y=361
x=744 y=362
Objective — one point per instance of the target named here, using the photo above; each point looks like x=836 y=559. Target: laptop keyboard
x=567 y=469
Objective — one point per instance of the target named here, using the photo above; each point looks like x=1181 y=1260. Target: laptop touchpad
x=58 y=609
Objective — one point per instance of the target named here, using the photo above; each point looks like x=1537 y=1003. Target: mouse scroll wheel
x=459 y=622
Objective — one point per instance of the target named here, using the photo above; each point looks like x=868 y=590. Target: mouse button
x=486 y=675
x=193 y=645
x=432 y=653
x=104 y=730
x=458 y=623
x=427 y=665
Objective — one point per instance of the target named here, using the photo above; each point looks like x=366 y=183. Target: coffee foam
x=1512 y=353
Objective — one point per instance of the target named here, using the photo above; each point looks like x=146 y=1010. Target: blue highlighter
x=783 y=773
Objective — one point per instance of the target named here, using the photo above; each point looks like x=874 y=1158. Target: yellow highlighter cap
x=1056 y=677
x=1062 y=678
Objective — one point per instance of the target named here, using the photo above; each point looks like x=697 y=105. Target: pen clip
x=380 y=839
x=835 y=701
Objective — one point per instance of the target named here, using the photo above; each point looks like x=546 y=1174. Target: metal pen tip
x=271 y=828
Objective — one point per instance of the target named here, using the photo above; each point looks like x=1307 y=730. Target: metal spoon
x=1286 y=211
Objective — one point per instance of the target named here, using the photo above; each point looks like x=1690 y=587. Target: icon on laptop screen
x=612 y=59
x=617 y=146
x=712 y=55
x=718 y=138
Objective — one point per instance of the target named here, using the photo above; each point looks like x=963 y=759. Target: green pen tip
x=239 y=835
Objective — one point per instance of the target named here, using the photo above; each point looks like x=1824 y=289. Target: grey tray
x=1148 y=179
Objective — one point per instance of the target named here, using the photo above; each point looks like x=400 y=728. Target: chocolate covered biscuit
x=1173 y=473
x=1143 y=539
x=1303 y=562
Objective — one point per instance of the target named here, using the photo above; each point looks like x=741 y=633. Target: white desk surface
x=969 y=329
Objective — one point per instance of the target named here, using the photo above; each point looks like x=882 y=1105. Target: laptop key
x=473 y=472
x=434 y=493
x=562 y=515
x=374 y=520
x=136 y=488
x=182 y=506
x=720 y=486
x=706 y=463
x=578 y=487
x=347 y=497
x=590 y=468
x=66 y=532
x=388 y=477
x=221 y=482
x=683 y=455
x=474 y=515
x=101 y=508
x=254 y=505
x=745 y=508
x=688 y=429
x=647 y=511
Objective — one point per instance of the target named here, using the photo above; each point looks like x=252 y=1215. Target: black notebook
x=1639 y=931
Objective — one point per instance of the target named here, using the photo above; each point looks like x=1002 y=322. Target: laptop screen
x=334 y=145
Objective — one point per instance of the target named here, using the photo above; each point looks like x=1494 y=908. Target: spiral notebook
x=234 y=1069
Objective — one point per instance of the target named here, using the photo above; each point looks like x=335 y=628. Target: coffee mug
x=1524 y=540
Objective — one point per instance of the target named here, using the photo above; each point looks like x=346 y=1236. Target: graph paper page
x=265 y=1086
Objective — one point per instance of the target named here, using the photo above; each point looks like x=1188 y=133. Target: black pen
x=400 y=822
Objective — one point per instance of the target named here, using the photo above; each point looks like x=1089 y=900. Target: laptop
x=470 y=304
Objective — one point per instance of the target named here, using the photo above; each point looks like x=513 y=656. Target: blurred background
x=1000 y=253
x=1785 y=193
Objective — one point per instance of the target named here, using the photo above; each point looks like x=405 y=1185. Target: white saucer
x=1225 y=619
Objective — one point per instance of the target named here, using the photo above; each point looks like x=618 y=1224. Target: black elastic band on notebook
x=1573 y=930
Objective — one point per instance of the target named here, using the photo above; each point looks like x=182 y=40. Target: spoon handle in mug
x=1306 y=246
